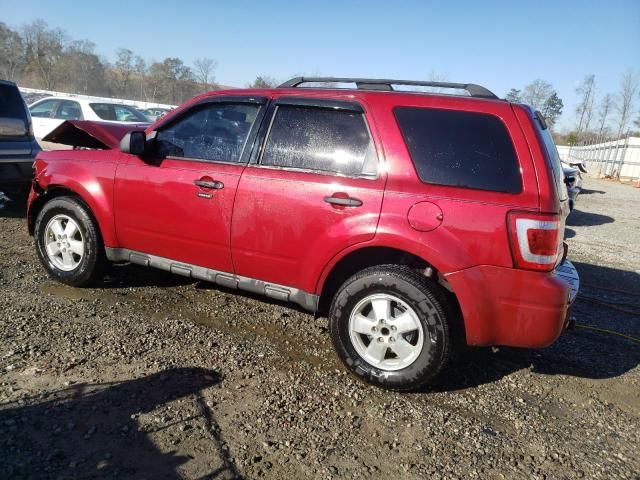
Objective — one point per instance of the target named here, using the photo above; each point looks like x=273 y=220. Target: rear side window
x=11 y=104
x=118 y=113
x=554 y=161
x=460 y=149
x=322 y=140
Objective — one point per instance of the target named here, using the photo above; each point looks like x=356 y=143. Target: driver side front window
x=210 y=132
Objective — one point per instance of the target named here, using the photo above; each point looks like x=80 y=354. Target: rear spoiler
x=95 y=135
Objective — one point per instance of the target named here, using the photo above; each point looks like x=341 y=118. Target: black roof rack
x=387 y=85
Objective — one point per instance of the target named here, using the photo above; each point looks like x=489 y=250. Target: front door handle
x=343 y=201
x=209 y=184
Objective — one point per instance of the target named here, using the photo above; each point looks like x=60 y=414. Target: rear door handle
x=344 y=201
x=209 y=184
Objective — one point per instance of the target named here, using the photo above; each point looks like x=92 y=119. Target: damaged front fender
x=83 y=134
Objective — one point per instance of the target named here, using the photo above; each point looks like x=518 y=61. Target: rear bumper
x=511 y=307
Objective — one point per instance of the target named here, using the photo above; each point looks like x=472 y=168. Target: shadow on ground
x=578 y=218
x=89 y=430
x=580 y=352
x=586 y=191
x=11 y=209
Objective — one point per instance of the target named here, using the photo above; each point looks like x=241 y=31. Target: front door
x=314 y=190
x=176 y=202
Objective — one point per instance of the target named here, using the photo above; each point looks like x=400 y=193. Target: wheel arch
x=338 y=272
x=56 y=191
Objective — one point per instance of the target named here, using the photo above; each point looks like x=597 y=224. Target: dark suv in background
x=18 y=146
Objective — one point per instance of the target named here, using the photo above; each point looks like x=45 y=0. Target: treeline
x=607 y=116
x=597 y=117
x=38 y=56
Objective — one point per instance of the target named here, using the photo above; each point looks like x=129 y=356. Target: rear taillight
x=536 y=240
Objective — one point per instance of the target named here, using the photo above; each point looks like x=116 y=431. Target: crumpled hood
x=90 y=134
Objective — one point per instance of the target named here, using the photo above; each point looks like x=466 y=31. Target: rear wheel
x=389 y=327
x=68 y=242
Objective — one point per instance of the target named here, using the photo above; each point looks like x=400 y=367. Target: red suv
x=414 y=220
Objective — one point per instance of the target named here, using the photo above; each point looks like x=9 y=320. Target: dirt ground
x=153 y=376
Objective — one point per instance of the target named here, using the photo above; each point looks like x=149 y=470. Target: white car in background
x=50 y=112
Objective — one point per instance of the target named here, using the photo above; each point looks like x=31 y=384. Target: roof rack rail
x=387 y=84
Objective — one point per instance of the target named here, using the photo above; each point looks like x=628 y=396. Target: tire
x=413 y=301
x=72 y=219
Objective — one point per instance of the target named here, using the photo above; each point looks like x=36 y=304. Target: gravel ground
x=154 y=376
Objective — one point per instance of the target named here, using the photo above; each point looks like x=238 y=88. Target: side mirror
x=134 y=143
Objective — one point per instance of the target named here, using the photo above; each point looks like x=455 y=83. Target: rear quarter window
x=460 y=149
x=553 y=160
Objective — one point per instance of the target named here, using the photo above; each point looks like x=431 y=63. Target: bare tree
x=606 y=105
x=584 y=111
x=140 y=68
x=124 y=70
x=203 y=69
x=44 y=49
x=263 y=81
x=12 y=53
x=626 y=97
x=537 y=93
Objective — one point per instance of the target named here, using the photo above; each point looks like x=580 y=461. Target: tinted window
x=117 y=113
x=44 y=109
x=214 y=132
x=554 y=161
x=462 y=149
x=11 y=104
x=320 y=139
x=69 y=111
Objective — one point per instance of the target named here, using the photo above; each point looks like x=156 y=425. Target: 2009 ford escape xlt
x=414 y=220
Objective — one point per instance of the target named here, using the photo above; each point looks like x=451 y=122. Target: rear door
x=176 y=203
x=313 y=189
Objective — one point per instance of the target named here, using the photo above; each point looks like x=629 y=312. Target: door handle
x=209 y=184
x=343 y=201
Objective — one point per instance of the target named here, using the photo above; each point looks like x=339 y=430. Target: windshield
x=118 y=113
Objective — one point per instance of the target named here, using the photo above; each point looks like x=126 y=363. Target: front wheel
x=68 y=242
x=389 y=327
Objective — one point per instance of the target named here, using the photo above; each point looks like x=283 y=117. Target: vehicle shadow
x=581 y=352
x=587 y=191
x=90 y=430
x=578 y=218
x=11 y=209
x=569 y=233
x=125 y=275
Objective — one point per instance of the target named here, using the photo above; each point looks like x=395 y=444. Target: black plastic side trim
x=306 y=300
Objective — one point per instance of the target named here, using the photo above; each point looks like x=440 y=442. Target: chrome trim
x=306 y=300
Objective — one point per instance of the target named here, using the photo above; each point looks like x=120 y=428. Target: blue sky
x=498 y=44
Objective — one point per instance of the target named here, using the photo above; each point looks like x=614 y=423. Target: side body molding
x=283 y=293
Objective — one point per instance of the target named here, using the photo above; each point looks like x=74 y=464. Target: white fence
x=615 y=159
x=135 y=103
